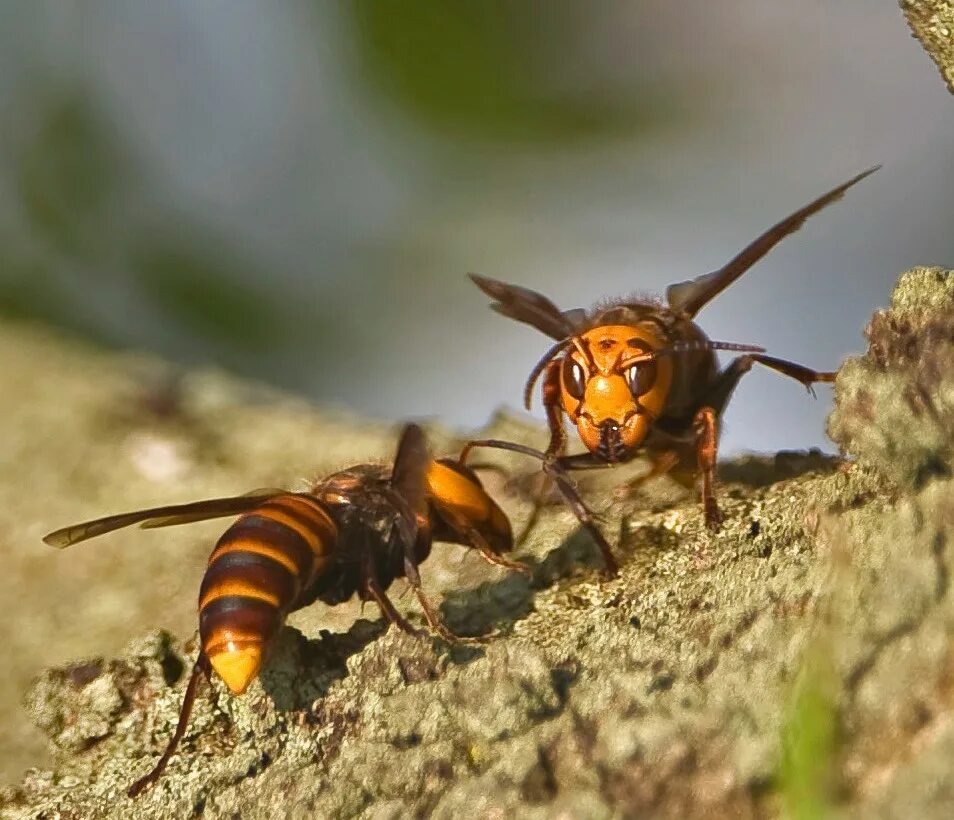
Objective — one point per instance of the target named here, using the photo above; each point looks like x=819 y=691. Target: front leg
x=705 y=424
x=557 y=445
x=556 y=469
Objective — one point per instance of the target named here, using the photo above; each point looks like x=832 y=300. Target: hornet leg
x=714 y=401
x=554 y=410
x=555 y=448
x=706 y=427
x=200 y=669
x=434 y=621
x=495 y=558
x=556 y=469
x=372 y=589
x=717 y=394
x=799 y=372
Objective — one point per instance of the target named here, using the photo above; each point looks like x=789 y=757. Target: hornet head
x=614 y=388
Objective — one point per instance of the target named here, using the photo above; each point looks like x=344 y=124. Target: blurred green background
x=295 y=191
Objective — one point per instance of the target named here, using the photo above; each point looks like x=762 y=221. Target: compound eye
x=641 y=378
x=573 y=379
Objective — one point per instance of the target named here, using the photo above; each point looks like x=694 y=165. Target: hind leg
x=200 y=669
x=718 y=393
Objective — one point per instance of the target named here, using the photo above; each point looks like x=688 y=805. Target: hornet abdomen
x=260 y=570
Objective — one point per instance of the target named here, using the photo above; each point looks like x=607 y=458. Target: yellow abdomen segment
x=457 y=492
x=461 y=499
x=237 y=665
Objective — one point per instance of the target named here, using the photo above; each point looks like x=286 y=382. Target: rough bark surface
x=799 y=660
x=932 y=22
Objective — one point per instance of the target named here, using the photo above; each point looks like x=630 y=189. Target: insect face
x=613 y=388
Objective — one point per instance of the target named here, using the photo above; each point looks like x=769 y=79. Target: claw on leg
x=435 y=622
x=499 y=560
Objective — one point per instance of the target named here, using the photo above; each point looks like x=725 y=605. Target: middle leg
x=707 y=433
x=434 y=620
x=372 y=589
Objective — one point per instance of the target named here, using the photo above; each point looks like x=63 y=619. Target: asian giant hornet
x=355 y=532
x=637 y=374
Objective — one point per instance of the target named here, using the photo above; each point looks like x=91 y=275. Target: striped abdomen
x=258 y=572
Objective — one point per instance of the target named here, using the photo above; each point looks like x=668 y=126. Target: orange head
x=613 y=389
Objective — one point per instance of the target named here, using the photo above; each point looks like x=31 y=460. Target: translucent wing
x=160 y=517
x=260 y=496
x=530 y=307
x=691 y=296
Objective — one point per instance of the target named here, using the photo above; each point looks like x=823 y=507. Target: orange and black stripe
x=259 y=571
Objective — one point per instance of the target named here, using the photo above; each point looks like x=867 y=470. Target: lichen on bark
x=932 y=22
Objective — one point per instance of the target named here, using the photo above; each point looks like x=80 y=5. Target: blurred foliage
x=95 y=248
x=486 y=70
x=69 y=174
x=28 y=290
x=208 y=293
x=808 y=761
x=72 y=181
